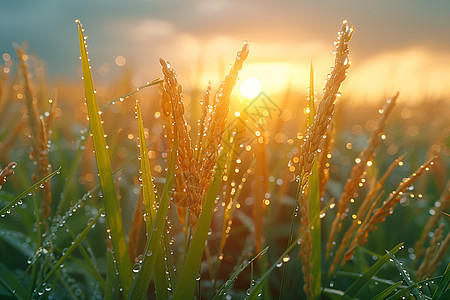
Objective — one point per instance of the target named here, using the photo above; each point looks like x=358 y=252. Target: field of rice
x=162 y=192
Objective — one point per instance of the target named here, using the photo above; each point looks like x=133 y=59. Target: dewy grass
x=140 y=284
x=104 y=167
x=314 y=204
x=28 y=191
x=155 y=226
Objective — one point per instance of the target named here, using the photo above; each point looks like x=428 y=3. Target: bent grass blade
x=26 y=192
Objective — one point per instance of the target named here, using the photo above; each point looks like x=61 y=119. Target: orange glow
x=250 y=87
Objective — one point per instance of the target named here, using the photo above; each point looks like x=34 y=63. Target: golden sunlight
x=250 y=87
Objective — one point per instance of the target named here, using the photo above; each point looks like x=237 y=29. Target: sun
x=250 y=87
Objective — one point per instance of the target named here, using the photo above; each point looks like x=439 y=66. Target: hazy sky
x=398 y=45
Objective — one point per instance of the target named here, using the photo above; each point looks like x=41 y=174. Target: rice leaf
x=187 y=282
x=142 y=280
x=148 y=193
x=256 y=289
x=445 y=295
x=90 y=267
x=227 y=285
x=104 y=168
x=170 y=265
x=405 y=289
x=26 y=192
x=123 y=97
x=112 y=279
x=443 y=284
x=159 y=274
x=399 y=294
x=148 y=190
x=386 y=292
x=314 y=203
x=71 y=174
x=415 y=291
x=74 y=244
x=9 y=281
x=359 y=284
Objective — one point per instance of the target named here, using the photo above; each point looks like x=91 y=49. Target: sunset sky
x=398 y=45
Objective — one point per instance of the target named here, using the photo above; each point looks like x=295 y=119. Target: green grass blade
x=361 y=282
x=386 y=292
x=112 y=279
x=314 y=203
x=90 y=267
x=9 y=281
x=149 y=202
x=128 y=95
x=227 y=285
x=148 y=190
x=71 y=176
x=405 y=289
x=74 y=245
x=170 y=264
x=186 y=284
x=25 y=193
x=399 y=294
x=415 y=291
x=257 y=288
x=160 y=276
x=140 y=284
x=445 y=295
x=443 y=284
x=104 y=168
x=314 y=211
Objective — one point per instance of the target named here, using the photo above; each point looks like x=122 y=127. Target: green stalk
x=256 y=289
x=104 y=167
x=152 y=248
x=149 y=196
x=359 y=284
x=74 y=245
x=443 y=284
x=24 y=194
x=186 y=284
x=314 y=203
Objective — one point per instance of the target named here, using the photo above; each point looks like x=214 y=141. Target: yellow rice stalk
x=358 y=171
x=370 y=197
x=387 y=208
x=434 y=254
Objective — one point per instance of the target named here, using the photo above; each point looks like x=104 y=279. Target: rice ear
x=197 y=166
